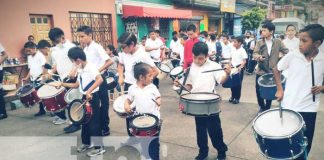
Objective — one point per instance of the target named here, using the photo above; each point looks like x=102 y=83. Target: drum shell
x=163 y=74
x=232 y=81
x=30 y=99
x=199 y=107
x=112 y=85
x=55 y=103
x=87 y=110
x=269 y=93
x=120 y=101
x=144 y=131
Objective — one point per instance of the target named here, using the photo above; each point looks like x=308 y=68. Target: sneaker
x=201 y=156
x=83 y=148
x=221 y=156
x=96 y=152
x=3 y=116
x=39 y=114
x=72 y=128
x=231 y=100
x=236 y=101
x=59 y=121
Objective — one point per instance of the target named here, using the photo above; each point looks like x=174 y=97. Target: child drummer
x=88 y=82
x=205 y=82
x=146 y=98
x=36 y=61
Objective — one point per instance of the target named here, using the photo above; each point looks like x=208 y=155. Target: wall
x=15 y=25
x=167 y=2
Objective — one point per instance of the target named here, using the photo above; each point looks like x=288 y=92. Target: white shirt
x=247 y=40
x=292 y=44
x=204 y=82
x=227 y=50
x=269 y=45
x=155 y=54
x=181 y=52
x=297 y=94
x=35 y=64
x=61 y=60
x=129 y=61
x=96 y=54
x=142 y=98
x=175 y=46
x=2 y=49
x=238 y=55
x=88 y=74
x=211 y=47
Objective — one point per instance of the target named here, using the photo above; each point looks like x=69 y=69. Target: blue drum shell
x=268 y=92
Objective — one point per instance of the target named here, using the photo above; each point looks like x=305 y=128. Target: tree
x=252 y=18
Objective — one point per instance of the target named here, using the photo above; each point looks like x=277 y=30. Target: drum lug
x=148 y=133
x=262 y=140
x=304 y=127
x=266 y=153
x=305 y=142
x=290 y=141
x=292 y=153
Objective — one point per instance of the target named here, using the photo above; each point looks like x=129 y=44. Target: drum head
x=201 y=96
x=144 y=121
x=72 y=94
x=76 y=113
x=270 y=124
x=25 y=89
x=268 y=80
x=110 y=80
x=119 y=104
x=48 y=91
x=165 y=68
x=176 y=70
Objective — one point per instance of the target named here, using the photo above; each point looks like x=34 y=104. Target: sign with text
x=228 y=6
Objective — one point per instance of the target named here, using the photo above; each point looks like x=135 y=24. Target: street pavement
x=23 y=136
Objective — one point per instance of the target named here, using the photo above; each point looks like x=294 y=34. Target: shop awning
x=139 y=11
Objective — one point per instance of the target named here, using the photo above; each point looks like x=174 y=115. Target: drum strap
x=88 y=86
x=185 y=80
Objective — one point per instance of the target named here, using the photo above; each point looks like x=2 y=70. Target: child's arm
x=27 y=77
x=98 y=81
x=127 y=106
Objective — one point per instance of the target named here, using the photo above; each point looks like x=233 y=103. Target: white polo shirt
x=238 y=55
x=129 y=61
x=2 y=49
x=292 y=44
x=96 y=54
x=86 y=76
x=204 y=82
x=297 y=94
x=142 y=98
x=211 y=47
x=35 y=64
x=227 y=50
x=61 y=60
x=155 y=54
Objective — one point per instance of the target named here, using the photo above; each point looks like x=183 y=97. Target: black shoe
x=3 y=116
x=201 y=156
x=221 y=156
x=236 y=101
x=231 y=100
x=40 y=113
x=105 y=133
x=72 y=128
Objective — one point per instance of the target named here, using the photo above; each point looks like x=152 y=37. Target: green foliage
x=252 y=18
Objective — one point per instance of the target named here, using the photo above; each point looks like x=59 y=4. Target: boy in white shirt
x=239 y=57
x=206 y=82
x=36 y=61
x=88 y=82
x=291 y=42
x=142 y=93
x=300 y=94
x=3 y=57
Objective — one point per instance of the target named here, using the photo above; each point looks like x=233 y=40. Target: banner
x=228 y=6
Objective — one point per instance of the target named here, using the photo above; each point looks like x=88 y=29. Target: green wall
x=120 y=25
x=142 y=25
x=168 y=2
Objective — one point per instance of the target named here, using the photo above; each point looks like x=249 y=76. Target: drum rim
x=274 y=85
x=162 y=69
x=211 y=100
x=47 y=97
x=69 y=112
x=121 y=96
x=176 y=73
x=131 y=125
x=278 y=137
x=27 y=93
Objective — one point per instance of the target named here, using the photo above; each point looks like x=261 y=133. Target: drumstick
x=155 y=102
x=313 y=79
x=184 y=88
x=81 y=106
x=280 y=110
x=215 y=70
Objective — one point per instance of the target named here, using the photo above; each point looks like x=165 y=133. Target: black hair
x=282 y=37
x=315 y=31
x=174 y=33
x=141 y=69
x=200 y=48
x=112 y=48
x=29 y=45
x=157 y=31
x=30 y=36
x=226 y=36
x=181 y=30
x=183 y=36
x=77 y=53
x=191 y=27
x=127 y=38
x=290 y=25
x=248 y=32
x=144 y=38
x=204 y=33
x=212 y=37
x=151 y=30
x=270 y=26
x=55 y=33
x=43 y=44
x=86 y=29
x=239 y=39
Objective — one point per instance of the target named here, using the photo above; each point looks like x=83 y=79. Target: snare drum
x=164 y=71
x=28 y=95
x=268 y=87
x=53 y=98
x=72 y=94
x=280 y=138
x=112 y=80
x=200 y=104
x=144 y=125
x=78 y=113
x=177 y=72
x=119 y=106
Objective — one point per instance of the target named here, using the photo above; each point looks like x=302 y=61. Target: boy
x=226 y=48
x=300 y=94
x=205 y=82
x=3 y=57
x=88 y=82
x=266 y=53
x=36 y=61
x=239 y=57
x=45 y=47
x=291 y=42
x=97 y=55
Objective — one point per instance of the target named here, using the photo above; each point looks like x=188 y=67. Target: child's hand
x=227 y=69
x=317 y=89
x=176 y=82
x=128 y=109
x=88 y=96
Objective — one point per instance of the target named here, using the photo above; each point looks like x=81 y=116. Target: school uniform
x=227 y=50
x=155 y=54
x=270 y=50
x=292 y=44
x=97 y=55
x=238 y=56
x=297 y=94
x=251 y=62
x=3 y=112
x=142 y=98
x=206 y=82
x=86 y=78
